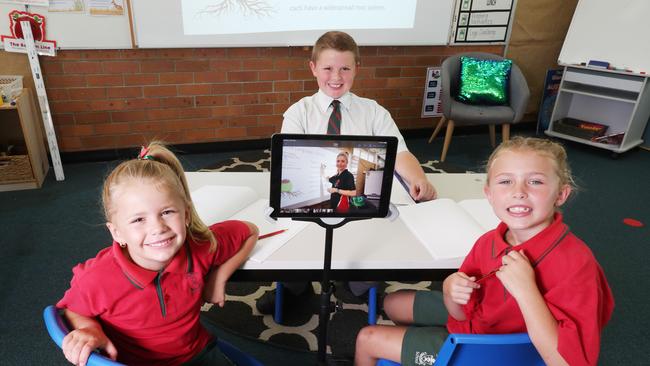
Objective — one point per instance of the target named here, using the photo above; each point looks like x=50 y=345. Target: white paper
x=216 y=203
x=482 y=212
x=445 y=228
x=267 y=246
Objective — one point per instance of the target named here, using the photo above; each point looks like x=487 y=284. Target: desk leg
x=372 y=305
x=279 y=297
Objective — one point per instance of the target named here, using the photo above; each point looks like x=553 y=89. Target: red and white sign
x=16 y=41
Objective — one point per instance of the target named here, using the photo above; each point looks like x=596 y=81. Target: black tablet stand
x=330 y=224
x=326 y=292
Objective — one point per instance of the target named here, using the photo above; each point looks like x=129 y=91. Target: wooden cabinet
x=23 y=158
x=619 y=100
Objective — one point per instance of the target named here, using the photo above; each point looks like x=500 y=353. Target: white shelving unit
x=620 y=100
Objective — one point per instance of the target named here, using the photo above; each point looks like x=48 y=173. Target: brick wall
x=105 y=99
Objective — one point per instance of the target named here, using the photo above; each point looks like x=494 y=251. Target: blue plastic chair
x=485 y=350
x=57 y=329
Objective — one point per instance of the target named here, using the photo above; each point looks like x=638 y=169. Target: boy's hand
x=79 y=343
x=516 y=274
x=458 y=287
x=422 y=190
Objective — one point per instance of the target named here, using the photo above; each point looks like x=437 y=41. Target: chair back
x=488 y=349
x=484 y=350
x=57 y=329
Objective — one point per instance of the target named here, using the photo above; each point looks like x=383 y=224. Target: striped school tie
x=334 y=124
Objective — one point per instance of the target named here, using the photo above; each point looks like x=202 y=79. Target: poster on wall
x=431 y=105
x=485 y=21
x=27 y=2
x=67 y=6
x=106 y=7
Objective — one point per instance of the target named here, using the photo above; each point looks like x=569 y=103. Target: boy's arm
x=518 y=278
x=86 y=336
x=408 y=167
x=225 y=270
x=293 y=120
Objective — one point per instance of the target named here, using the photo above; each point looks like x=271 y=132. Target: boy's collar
x=325 y=100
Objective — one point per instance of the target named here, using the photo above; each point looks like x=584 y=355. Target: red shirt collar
x=141 y=277
x=536 y=247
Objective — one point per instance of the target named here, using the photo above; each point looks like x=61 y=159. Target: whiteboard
x=77 y=30
x=303 y=168
x=175 y=23
x=611 y=31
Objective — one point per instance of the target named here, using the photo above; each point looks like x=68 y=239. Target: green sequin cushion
x=484 y=81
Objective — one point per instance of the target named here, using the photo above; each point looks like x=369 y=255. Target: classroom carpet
x=299 y=329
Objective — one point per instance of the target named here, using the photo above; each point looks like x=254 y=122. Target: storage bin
x=10 y=87
x=15 y=169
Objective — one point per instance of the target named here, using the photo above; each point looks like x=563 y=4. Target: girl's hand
x=516 y=274
x=458 y=287
x=219 y=297
x=79 y=343
x=331 y=190
x=214 y=290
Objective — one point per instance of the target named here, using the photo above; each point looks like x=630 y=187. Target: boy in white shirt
x=334 y=63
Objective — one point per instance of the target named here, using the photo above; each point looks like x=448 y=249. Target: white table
x=362 y=250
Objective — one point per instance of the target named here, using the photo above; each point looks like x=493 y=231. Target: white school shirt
x=359 y=116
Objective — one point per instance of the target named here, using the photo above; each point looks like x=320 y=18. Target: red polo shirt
x=152 y=317
x=568 y=276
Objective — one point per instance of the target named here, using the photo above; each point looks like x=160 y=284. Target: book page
x=215 y=203
x=442 y=226
x=255 y=213
x=482 y=212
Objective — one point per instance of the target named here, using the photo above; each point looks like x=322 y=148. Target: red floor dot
x=632 y=222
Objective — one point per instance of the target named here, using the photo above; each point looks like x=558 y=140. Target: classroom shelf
x=619 y=100
x=26 y=164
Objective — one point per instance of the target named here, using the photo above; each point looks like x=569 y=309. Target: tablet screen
x=331 y=175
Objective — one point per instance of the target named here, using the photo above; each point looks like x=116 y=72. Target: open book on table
x=216 y=203
x=449 y=229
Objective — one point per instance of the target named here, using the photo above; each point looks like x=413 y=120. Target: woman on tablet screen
x=342 y=183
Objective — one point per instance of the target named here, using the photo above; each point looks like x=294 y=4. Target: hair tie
x=144 y=154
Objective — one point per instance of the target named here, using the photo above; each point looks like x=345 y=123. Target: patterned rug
x=300 y=327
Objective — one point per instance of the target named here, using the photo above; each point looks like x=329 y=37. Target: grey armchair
x=456 y=113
